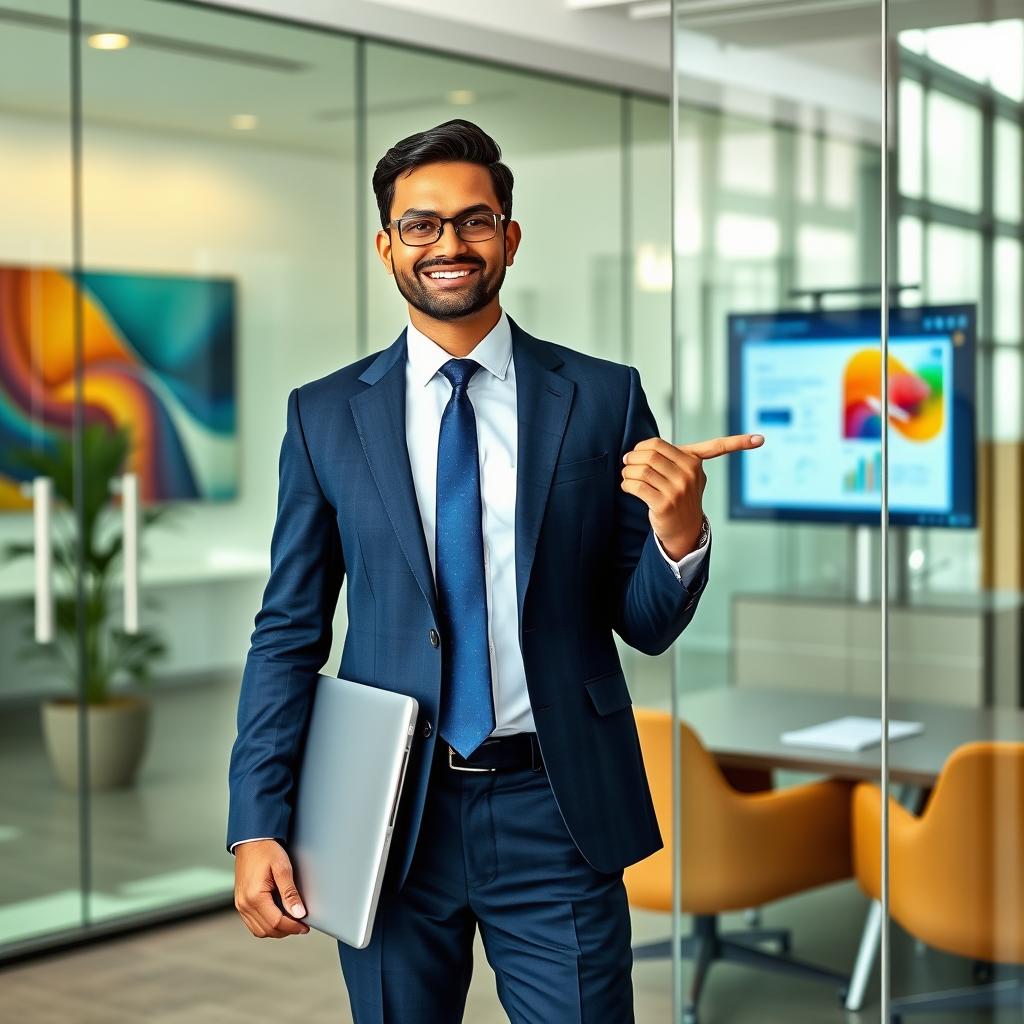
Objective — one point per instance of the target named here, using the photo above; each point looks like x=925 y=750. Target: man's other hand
x=263 y=869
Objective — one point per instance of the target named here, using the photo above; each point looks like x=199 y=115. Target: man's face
x=446 y=190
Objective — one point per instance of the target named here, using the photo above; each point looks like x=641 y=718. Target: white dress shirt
x=492 y=390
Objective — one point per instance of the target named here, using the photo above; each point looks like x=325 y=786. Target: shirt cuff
x=687 y=567
x=256 y=839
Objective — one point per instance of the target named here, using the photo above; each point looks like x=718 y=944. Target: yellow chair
x=740 y=850
x=956 y=873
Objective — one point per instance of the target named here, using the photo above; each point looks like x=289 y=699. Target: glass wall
x=227 y=223
x=777 y=285
x=188 y=235
x=217 y=174
x=956 y=826
x=832 y=600
x=43 y=829
x=217 y=167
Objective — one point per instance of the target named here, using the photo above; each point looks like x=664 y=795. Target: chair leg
x=705 y=944
x=866 y=954
x=704 y=955
x=1003 y=993
x=981 y=971
x=740 y=953
x=661 y=949
x=755 y=936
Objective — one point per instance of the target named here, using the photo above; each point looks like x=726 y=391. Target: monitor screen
x=811 y=384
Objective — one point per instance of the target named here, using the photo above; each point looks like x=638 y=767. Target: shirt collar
x=493 y=351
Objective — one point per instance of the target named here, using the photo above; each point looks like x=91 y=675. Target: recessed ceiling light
x=244 y=122
x=108 y=41
x=461 y=97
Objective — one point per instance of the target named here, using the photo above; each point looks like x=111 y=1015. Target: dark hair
x=454 y=140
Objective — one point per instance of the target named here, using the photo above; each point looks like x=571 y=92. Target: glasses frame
x=498 y=218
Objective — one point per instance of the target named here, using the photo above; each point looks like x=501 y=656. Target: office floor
x=211 y=971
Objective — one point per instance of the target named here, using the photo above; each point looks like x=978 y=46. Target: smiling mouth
x=452 y=276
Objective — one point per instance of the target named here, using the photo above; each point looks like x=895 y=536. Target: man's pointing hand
x=670 y=479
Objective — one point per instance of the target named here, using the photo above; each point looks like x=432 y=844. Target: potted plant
x=117 y=722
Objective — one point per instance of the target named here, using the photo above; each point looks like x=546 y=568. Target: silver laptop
x=347 y=795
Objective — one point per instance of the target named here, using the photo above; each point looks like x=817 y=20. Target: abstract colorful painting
x=915 y=398
x=158 y=356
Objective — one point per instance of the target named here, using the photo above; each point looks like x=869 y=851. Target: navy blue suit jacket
x=586 y=564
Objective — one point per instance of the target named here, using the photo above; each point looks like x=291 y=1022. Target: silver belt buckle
x=463 y=768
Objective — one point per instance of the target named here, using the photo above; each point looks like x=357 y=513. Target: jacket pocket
x=579 y=469
x=608 y=692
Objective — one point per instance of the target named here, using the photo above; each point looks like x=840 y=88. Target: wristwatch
x=705 y=532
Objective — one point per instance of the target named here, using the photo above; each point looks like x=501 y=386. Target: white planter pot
x=118 y=731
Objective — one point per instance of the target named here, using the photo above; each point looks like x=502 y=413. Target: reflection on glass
x=747 y=158
x=840 y=171
x=990 y=53
x=954 y=151
x=1006 y=414
x=953 y=262
x=911 y=122
x=910 y=245
x=1006 y=291
x=826 y=256
x=1007 y=170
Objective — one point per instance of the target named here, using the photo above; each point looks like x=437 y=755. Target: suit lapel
x=379 y=413
x=543 y=400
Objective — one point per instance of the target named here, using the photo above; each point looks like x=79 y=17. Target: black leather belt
x=497 y=753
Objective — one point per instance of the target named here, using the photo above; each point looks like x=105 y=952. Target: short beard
x=442 y=305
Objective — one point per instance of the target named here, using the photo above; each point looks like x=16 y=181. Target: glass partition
x=215 y=274
x=42 y=873
x=227 y=221
x=218 y=171
x=956 y=817
x=776 y=331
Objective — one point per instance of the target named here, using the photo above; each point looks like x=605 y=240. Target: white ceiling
x=843 y=35
x=192 y=66
x=190 y=69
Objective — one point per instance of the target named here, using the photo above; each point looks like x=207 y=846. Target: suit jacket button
x=434 y=638
x=427 y=729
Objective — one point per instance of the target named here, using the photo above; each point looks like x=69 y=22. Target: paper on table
x=851 y=733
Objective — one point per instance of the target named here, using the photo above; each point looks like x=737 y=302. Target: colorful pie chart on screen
x=915 y=398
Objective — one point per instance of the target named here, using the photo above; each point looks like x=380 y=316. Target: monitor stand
x=866 y=564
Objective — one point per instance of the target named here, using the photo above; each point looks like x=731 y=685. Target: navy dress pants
x=494 y=851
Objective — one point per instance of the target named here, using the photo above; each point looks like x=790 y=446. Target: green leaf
x=13 y=550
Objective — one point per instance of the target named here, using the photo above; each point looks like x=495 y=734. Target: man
x=501 y=504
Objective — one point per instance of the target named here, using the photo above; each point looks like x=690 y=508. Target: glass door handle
x=41 y=492
x=130 y=549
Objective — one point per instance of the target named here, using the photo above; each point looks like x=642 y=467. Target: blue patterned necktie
x=467 y=706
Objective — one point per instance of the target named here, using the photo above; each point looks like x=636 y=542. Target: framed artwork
x=158 y=357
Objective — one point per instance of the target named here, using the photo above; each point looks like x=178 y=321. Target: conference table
x=742 y=727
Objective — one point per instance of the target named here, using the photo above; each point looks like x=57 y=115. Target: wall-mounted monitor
x=811 y=382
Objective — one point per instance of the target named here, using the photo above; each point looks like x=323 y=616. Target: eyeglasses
x=477 y=226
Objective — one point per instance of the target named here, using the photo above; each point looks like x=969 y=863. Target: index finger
x=723 y=445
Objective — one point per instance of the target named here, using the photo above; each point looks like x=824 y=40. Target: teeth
x=450 y=273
